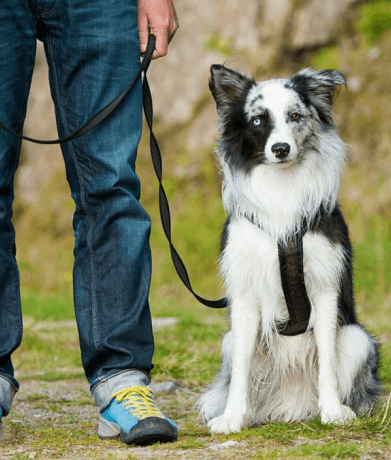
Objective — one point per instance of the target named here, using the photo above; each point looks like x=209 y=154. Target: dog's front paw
x=225 y=424
x=341 y=414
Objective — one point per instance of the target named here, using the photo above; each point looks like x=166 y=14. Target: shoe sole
x=108 y=430
x=148 y=431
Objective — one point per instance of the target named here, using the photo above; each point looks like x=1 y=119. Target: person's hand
x=160 y=18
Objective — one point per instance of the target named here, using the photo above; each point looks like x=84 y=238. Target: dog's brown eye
x=296 y=116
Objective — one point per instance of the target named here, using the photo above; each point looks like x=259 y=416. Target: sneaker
x=134 y=416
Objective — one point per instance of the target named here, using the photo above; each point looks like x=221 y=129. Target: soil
x=59 y=419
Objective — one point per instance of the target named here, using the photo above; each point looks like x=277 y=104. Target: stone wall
x=251 y=35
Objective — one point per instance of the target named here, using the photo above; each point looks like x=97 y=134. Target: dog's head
x=273 y=122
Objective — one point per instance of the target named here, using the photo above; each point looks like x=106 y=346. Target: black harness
x=290 y=254
x=290 y=258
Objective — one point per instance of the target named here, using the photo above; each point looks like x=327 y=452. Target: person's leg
x=17 y=54
x=93 y=53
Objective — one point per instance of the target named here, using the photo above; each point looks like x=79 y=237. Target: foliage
x=375 y=20
x=219 y=44
x=327 y=58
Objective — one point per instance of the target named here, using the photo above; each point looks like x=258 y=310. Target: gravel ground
x=65 y=412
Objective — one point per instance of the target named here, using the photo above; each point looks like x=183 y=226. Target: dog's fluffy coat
x=282 y=159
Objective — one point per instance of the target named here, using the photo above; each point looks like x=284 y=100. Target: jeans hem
x=7 y=392
x=103 y=389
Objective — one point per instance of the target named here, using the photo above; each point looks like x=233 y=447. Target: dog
x=281 y=160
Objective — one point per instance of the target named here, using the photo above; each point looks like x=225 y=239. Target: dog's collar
x=290 y=256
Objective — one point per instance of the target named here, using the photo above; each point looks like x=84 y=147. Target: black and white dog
x=282 y=159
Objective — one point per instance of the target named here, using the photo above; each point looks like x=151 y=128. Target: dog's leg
x=245 y=319
x=359 y=384
x=325 y=327
x=214 y=401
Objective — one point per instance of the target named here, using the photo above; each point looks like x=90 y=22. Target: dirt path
x=51 y=420
x=59 y=420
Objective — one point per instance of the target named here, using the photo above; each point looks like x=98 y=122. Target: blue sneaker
x=134 y=416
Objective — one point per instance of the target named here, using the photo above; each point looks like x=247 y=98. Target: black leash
x=102 y=114
x=164 y=206
x=290 y=255
x=156 y=159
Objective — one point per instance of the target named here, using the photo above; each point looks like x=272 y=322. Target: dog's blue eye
x=256 y=121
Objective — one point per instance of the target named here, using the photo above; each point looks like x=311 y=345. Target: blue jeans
x=92 y=48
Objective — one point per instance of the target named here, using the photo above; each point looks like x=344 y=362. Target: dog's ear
x=317 y=87
x=228 y=87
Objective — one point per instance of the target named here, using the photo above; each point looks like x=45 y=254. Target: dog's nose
x=281 y=149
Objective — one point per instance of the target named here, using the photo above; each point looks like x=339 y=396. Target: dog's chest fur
x=250 y=266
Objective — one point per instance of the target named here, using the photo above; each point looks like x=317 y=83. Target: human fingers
x=161 y=45
x=143 y=29
x=159 y=17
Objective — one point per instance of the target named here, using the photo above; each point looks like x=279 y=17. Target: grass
x=64 y=433
x=189 y=352
x=47 y=306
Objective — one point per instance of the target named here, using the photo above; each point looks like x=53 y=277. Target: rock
x=38 y=162
x=355 y=83
x=374 y=53
x=249 y=35
x=226 y=444
x=164 y=322
x=180 y=79
x=164 y=387
x=315 y=23
x=204 y=129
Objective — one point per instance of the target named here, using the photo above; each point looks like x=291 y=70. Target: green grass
x=190 y=351
x=47 y=306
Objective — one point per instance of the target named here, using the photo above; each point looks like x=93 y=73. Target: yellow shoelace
x=139 y=401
